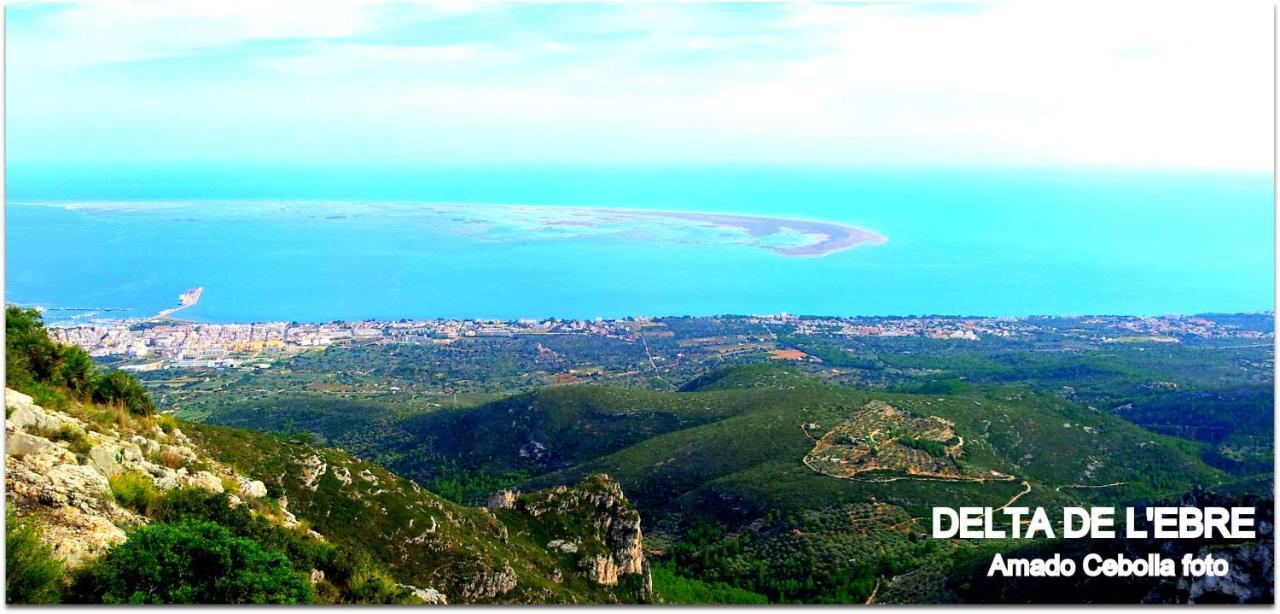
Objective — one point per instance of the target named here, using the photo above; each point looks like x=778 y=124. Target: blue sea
x=961 y=242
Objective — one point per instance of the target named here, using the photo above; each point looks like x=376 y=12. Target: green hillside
x=767 y=479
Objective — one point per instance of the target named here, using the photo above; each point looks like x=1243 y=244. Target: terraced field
x=881 y=439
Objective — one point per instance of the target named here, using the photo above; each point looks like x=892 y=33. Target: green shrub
x=166 y=423
x=32 y=574
x=76 y=439
x=374 y=586
x=191 y=562
x=120 y=388
x=134 y=490
x=184 y=504
x=54 y=374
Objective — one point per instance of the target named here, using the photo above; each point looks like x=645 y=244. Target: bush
x=134 y=490
x=166 y=423
x=191 y=562
x=76 y=439
x=374 y=586
x=120 y=388
x=32 y=574
x=171 y=458
x=29 y=354
x=32 y=357
x=51 y=371
x=184 y=504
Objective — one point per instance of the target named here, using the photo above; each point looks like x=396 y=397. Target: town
x=152 y=345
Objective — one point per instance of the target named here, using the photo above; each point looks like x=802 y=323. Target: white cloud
x=1116 y=84
x=92 y=33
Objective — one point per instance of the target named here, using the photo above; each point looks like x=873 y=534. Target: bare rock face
x=1251 y=565
x=24 y=414
x=490 y=584
x=502 y=500
x=616 y=546
x=312 y=469
x=561 y=545
x=73 y=502
x=601 y=569
x=21 y=444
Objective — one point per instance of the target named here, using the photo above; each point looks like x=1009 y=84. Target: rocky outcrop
x=614 y=546
x=429 y=596
x=252 y=489
x=50 y=475
x=502 y=500
x=486 y=585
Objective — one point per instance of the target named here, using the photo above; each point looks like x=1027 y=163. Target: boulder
x=427 y=595
x=22 y=444
x=30 y=417
x=146 y=446
x=560 y=545
x=106 y=458
x=17 y=400
x=132 y=453
x=207 y=481
x=252 y=489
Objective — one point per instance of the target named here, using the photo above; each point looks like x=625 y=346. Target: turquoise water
x=959 y=242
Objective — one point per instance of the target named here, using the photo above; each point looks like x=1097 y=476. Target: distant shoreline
x=642 y=318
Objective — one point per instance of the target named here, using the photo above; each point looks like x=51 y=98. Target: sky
x=1164 y=85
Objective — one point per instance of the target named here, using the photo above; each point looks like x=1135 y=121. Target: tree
x=192 y=562
x=32 y=574
x=29 y=354
x=77 y=371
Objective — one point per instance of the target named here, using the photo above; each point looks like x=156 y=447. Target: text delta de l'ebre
x=1095 y=522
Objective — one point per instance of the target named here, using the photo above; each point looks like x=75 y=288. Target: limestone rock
x=22 y=444
x=560 y=545
x=601 y=569
x=252 y=489
x=502 y=500
x=17 y=400
x=107 y=459
x=207 y=481
x=28 y=416
x=490 y=584
x=428 y=595
x=312 y=469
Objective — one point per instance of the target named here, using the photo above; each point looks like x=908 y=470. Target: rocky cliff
x=596 y=523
